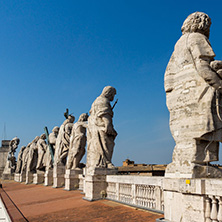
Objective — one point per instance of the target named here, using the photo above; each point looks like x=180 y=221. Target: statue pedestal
x=48 y=177
x=95 y=183
x=29 y=178
x=18 y=177
x=184 y=199
x=58 y=176
x=8 y=173
x=72 y=179
x=38 y=177
x=8 y=176
x=23 y=177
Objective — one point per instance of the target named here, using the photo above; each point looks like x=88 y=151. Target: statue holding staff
x=101 y=133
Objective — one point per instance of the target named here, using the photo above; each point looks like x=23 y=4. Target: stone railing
x=213 y=209
x=193 y=199
x=139 y=191
x=213 y=200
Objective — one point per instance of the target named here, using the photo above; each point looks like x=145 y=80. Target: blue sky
x=60 y=54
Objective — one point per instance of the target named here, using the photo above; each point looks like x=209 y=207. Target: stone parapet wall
x=193 y=199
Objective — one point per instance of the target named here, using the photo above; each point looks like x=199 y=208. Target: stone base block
x=23 y=177
x=72 y=179
x=8 y=176
x=58 y=176
x=17 y=177
x=29 y=178
x=95 y=183
x=38 y=178
x=48 y=178
x=184 y=200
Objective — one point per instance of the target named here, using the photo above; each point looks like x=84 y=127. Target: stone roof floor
x=40 y=203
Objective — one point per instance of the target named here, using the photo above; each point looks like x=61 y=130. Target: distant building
x=129 y=167
x=4 y=149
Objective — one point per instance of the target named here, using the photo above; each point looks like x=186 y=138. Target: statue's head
x=197 y=22
x=43 y=136
x=15 y=140
x=71 y=118
x=83 y=117
x=109 y=92
x=55 y=130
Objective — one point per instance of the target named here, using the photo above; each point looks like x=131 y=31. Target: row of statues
x=66 y=144
x=193 y=85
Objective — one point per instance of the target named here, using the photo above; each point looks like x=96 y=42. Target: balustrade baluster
x=213 y=214
x=207 y=210
x=219 y=216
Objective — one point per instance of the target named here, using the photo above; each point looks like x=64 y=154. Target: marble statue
x=13 y=145
x=25 y=158
x=100 y=132
x=193 y=86
x=42 y=147
x=32 y=156
x=19 y=160
x=63 y=140
x=77 y=143
x=52 y=140
x=10 y=166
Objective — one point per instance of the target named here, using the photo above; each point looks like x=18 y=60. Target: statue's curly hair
x=197 y=22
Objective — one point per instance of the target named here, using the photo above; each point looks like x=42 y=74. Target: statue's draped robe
x=25 y=158
x=77 y=145
x=41 y=144
x=100 y=144
x=32 y=157
x=191 y=97
x=19 y=161
x=62 y=144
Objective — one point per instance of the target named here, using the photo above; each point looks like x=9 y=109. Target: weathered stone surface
x=77 y=143
x=101 y=133
x=72 y=179
x=192 y=90
x=32 y=156
x=63 y=141
x=58 y=175
x=4 y=149
x=19 y=160
x=95 y=183
x=38 y=177
x=29 y=177
x=42 y=147
x=52 y=141
x=48 y=177
x=25 y=156
x=10 y=166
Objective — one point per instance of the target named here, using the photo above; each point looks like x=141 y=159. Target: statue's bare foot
x=110 y=165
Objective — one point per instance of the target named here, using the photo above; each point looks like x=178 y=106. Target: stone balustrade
x=213 y=200
x=213 y=208
x=140 y=191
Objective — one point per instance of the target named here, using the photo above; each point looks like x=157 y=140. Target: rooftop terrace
x=40 y=203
